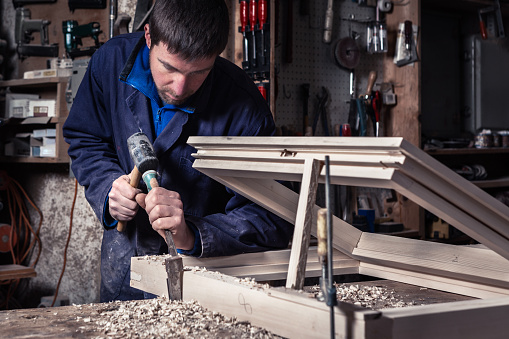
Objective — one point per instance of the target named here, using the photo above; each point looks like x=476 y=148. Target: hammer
x=146 y=163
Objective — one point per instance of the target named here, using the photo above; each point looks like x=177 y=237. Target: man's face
x=176 y=79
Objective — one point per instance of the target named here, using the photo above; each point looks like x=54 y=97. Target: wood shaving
x=162 y=318
x=374 y=297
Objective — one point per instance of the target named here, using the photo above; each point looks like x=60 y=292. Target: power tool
x=73 y=34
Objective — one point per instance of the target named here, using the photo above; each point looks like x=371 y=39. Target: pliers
x=321 y=110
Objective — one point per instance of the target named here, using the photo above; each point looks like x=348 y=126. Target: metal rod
x=331 y=297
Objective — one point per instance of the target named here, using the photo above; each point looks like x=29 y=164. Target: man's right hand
x=121 y=199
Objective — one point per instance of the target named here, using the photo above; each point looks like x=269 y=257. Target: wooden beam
x=446 y=210
x=283 y=201
x=479 y=265
x=291 y=315
x=148 y=273
x=438 y=282
x=303 y=224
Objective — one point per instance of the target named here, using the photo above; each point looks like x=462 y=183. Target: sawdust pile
x=373 y=297
x=162 y=318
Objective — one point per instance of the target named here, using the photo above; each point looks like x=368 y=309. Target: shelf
x=35 y=160
x=32 y=82
x=465 y=151
x=47 y=88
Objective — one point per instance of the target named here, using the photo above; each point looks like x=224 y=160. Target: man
x=170 y=83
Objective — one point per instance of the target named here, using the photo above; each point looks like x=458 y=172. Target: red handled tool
x=262 y=90
x=262 y=17
x=243 y=23
x=252 y=23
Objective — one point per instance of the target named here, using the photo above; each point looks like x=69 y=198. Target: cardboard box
x=16 y=104
x=48 y=150
x=48 y=73
x=44 y=132
x=41 y=108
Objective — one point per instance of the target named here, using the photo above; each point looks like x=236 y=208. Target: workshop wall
x=81 y=278
x=311 y=60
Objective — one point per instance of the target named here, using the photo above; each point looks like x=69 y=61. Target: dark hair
x=194 y=29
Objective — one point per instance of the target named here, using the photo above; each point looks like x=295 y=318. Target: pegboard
x=312 y=61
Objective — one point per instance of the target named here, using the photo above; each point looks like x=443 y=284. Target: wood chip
x=162 y=318
x=373 y=297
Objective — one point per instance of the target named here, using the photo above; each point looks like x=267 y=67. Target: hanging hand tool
x=361 y=112
x=146 y=162
x=262 y=17
x=321 y=112
x=406 y=47
x=243 y=24
x=327 y=30
x=252 y=24
x=377 y=107
x=498 y=16
x=263 y=90
x=367 y=109
x=408 y=36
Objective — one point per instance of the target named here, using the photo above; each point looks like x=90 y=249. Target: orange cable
x=20 y=225
x=67 y=243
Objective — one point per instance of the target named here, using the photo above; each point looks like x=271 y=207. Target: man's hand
x=121 y=199
x=166 y=212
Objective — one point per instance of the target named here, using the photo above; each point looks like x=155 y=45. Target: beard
x=167 y=96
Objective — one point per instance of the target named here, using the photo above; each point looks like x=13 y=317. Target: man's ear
x=147 y=35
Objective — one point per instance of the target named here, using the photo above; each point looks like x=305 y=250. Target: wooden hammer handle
x=135 y=179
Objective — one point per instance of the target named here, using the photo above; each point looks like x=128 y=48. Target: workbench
x=81 y=321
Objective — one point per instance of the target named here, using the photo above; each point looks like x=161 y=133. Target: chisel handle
x=135 y=179
x=321 y=232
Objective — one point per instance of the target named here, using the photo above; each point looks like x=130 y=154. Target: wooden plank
x=467 y=263
x=8 y=272
x=279 y=271
x=364 y=176
x=296 y=143
x=257 y=258
x=442 y=283
x=148 y=273
x=278 y=199
x=303 y=224
x=450 y=213
x=337 y=156
x=465 y=187
x=278 y=312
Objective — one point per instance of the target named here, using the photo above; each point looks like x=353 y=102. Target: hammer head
x=142 y=152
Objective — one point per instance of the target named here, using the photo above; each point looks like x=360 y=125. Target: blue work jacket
x=107 y=110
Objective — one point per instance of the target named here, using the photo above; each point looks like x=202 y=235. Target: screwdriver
x=262 y=17
x=243 y=23
x=252 y=22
